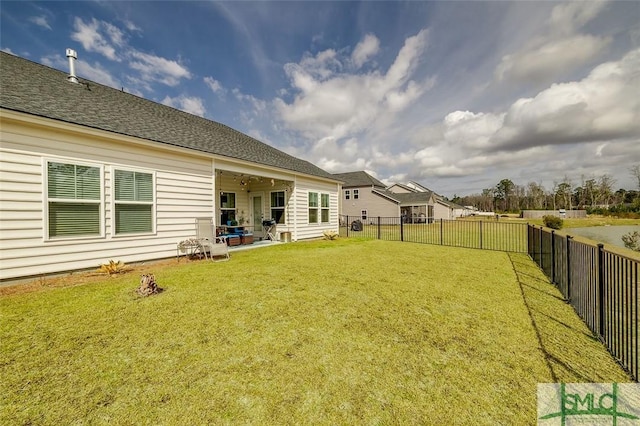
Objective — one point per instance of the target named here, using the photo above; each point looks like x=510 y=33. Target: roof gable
x=36 y=89
x=357 y=179
x=399 y=188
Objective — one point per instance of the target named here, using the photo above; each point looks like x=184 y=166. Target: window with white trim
x=356 y=194
x=318 y=207
x=324 y=208
x=313 y=207
x=278 y=206
x=74 y=200
x=363 y=215
x=134 y=202
x=347 y=194
x=227 y=207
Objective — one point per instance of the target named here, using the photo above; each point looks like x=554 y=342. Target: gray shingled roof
x=408 y=198
x=36 y=89
x=361 y=178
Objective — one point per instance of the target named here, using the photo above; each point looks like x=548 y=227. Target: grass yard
x=323 y=332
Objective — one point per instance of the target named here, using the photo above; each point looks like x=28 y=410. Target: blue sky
x=454 y=95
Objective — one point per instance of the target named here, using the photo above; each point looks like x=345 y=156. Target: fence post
x=348 y=226
x=401 y=229
x=569 y=238
x=540 y=238
x=378 y=227
x=441 y=237
x=601 y=288
x=480 y=234
x=553 y=256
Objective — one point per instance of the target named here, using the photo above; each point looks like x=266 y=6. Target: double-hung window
x=324 y=208
x=318 y=207
x=134 y=202
x=313 y=207
x=74 y=200
x=227 y=207
x=356 y=194
x=347 y=194
x=277 y=206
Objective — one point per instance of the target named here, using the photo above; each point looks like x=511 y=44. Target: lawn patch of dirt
x=76 y=278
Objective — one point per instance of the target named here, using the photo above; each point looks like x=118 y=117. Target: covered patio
x=246 y=201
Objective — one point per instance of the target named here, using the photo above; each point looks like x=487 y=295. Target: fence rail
x=602 y=286
x=488 y=235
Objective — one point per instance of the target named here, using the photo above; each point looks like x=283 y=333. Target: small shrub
x=553 y=222
x=632 y=240
x=113 y=267
x=330 y=234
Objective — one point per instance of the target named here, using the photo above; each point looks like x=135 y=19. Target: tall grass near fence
x=602 y=286
x=488 y=235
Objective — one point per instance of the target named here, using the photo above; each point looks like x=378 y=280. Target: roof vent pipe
x=72 y=55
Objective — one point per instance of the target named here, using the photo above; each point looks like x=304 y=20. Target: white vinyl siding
x=184 y=186
x=74 y=200
x=134 y=202
x=298 y=219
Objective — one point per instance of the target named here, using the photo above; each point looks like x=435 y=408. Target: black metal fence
x=602 y=286
x=488 y=235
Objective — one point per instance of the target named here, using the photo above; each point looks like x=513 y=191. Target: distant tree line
x=595 y=194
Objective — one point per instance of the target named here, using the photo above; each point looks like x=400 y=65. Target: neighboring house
x=443 y=209
x=415 y=206
x=365 y=197
x=89 y=173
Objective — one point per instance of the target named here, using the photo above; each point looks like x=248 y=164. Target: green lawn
x=324 y=332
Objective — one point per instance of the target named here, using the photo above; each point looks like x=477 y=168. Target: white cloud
x=568 y=17
x=8 y=50
x=158 y=69
x=364 y=50
x=40 y=21
x=132 y=27
x=600 y=107
x=191 y=104
x=333 y=103
x=581 y=127
x=550 y=58
x=560 y=49
x=215 y=86
x=89 y=35
x=111 y=42
x=470 y=130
